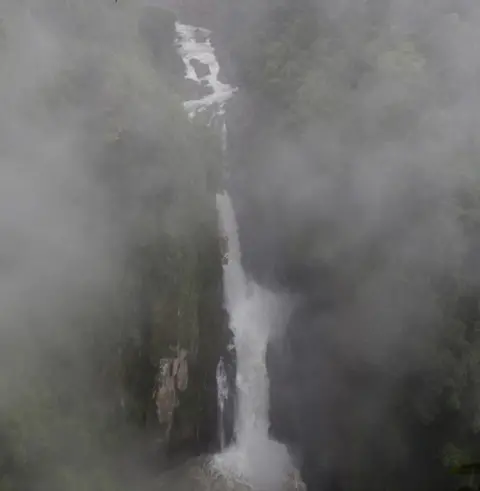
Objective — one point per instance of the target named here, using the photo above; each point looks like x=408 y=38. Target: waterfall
x=222 y=396
x=253 y=459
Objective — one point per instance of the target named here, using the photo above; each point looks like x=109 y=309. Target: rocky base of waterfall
x=200 y=474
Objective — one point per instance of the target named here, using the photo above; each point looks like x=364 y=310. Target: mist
x=362 y=154
x=94 y=169
x=353 y=170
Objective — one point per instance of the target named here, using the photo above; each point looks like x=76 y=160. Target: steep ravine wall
x=82 y=381
x=185 y=323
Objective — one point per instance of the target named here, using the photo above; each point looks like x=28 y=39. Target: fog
x=73 y=77
x=355 y=212
x=383 y=173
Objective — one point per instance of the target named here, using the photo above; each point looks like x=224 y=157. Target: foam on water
x=203 y=52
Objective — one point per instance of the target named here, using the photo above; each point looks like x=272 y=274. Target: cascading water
x=254 y=459
x=190 y=49
x=222 y=396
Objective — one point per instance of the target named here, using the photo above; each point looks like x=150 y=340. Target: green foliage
x=79 y=384
x=383 y=78
x=274 y=58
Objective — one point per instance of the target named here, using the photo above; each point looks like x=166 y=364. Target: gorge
x=239 y=256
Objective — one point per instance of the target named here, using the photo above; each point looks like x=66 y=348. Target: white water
x=190 y=49
x=254 y=458
x=222 y=396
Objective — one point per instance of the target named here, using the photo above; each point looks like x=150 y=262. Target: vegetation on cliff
x=362 y=123
x=115 y=268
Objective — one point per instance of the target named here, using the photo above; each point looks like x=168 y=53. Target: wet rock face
x=188 y=339
x=171 y=369
x=176 y=277
x=201 y=69
x=171 y=380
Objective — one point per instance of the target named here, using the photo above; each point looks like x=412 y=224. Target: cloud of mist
x=363 y=201
x=74 y=76
x=363 y=207
x=378 y=180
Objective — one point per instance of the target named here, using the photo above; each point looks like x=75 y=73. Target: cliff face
x=114 y=355
x=175 y=339
x=181 y=293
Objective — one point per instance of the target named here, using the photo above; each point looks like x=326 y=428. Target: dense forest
x=110 y=259
x=360 y=195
